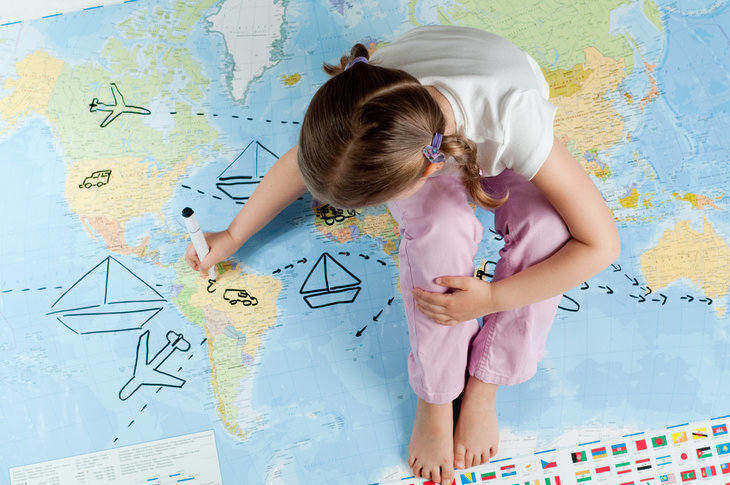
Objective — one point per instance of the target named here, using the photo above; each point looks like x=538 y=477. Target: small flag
x=725 y=468
x=534 y=482
x=708 y=471
x=624 y=467
x=668 y=478
x=663 y=460
x=583 y=476
x=688 y=476
x=578 y=456
x=699 y=433
x=704 y=452
x=603 y=469
x=723 y=449
x=469 y=477
x=618 y=449
x=647 y=481
x=628 y=483
x=680 y=437
x=598 y=453
x=659 y=441
x=640 y=445
x=548 y=464
x=643 y=464
x=554 y=481
x=719 y=430
x=489 y=476
x=508 y=470
x=683 y=456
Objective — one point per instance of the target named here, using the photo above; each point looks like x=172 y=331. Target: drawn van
x=98 y=178
x=233 y=296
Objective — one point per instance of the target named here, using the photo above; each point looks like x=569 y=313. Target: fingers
x=440 y=318
x=191 y=257
x=460 y=282
x=430 y=297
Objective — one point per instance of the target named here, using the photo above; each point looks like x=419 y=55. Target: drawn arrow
x=647 y=289
x=364 y=256
x=381 y=262
x=344 y=253
x=584 y=286
x=640 y=298
x=634 y=281
x=391 y=300
x=277 y=270
x=375 y=318
x=608 y=289
x=689 y=298
x=496 y=235
x=303 y=260
x=359 y=332
x=708 y=300
x=663 y=299
x=616 y=267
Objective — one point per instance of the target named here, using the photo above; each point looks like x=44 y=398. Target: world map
x=113 y=119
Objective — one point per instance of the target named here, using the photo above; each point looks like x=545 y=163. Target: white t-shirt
x=497 y=91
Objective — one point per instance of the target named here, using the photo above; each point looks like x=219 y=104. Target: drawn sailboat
x=329 y=283
x=236 y=180
x=108 y=298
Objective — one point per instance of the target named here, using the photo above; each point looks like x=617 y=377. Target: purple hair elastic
x=355 y=61
x=432 y=151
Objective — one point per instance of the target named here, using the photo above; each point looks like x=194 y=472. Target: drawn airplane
x=147 y=372
x=118 y=108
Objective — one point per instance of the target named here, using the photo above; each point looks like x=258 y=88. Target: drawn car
x=233 y=296
x=98 y=178
x=330 y=214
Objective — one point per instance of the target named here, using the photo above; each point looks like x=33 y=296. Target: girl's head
x=363 y=136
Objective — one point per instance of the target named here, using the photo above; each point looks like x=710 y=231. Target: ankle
x=433 y=409
x=485 y=391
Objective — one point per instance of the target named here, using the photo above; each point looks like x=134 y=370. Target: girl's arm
x=281 y=185
x=593 y=246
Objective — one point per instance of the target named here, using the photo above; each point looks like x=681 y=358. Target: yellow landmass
x=133 y=188
x=291 y=79
x=234 y=332
x=31 y=90
x=702 y=257
x=631 y=200
x=698 y=201
x=585 y=118
x=373 y=222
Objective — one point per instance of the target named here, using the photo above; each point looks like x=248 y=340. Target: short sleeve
x=528 y=132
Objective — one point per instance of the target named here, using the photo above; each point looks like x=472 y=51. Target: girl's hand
x=221 y=244
x=471 y=298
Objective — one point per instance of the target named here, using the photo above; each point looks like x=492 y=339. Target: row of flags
x=685 y=454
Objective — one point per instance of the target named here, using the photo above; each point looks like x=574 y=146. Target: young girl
x=441 y=117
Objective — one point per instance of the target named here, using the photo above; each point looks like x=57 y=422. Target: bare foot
x=476 y=436
x=431 y=452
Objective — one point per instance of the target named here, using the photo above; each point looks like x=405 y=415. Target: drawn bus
x=98 y=178
x=233 y=296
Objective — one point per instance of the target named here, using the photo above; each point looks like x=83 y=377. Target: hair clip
x=432 y=151
x=355 y=61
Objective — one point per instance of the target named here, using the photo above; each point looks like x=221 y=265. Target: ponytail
x=464 y=152
x=358 y=50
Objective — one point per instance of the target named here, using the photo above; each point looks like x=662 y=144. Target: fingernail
x=438 y=281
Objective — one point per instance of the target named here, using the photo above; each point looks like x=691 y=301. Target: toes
x=435 y=475
x=459 y=452
x=411 y=461
x=485 y=457
x=447 y=474
x=416 y=468
x=468 y=459
x=493 y=450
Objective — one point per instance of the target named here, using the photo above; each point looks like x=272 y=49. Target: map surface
x=113 y=119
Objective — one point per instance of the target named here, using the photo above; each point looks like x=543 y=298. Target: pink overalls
x=439 y=237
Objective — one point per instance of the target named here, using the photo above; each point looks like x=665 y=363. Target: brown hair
x=363 y=134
